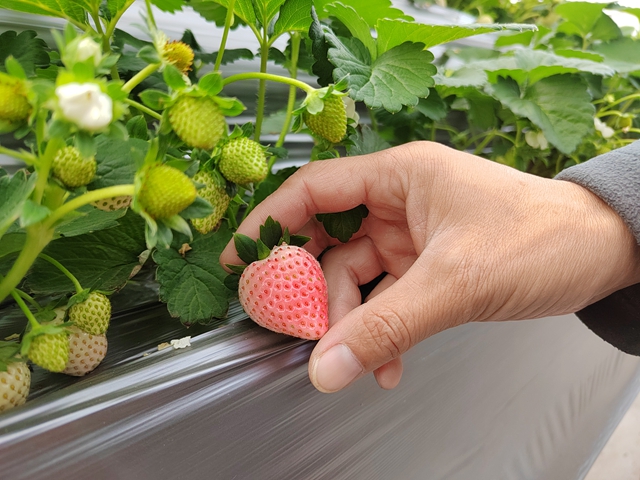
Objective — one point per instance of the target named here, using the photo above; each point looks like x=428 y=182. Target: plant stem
x=26 y=157
x=262 y=87
x=139 y=77
x=92 y=196
x=44 y=166
x=633 y=96
x=114 y=21
x=23 y=306
x=96 y=19
x=37 y=238
x=150 y=13
x=143 y=109
x=28 y=298
x=268 y=76
x=295 y=53
x=223 y=43
x=485 y=142
x=64 y=270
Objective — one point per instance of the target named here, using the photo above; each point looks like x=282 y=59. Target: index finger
x=326 y=186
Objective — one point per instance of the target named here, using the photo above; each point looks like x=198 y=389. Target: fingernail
x=336 y=368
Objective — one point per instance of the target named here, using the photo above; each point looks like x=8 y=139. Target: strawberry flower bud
x=605 y=130
x=85 y=105
x=87 y=48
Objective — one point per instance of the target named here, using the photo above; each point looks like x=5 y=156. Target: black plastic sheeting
x=515 y=400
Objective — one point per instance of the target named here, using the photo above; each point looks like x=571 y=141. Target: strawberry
x=50 y=351
x=14 y=385
x=286 y=293
x=112 y=204
x=215 y=193
x=243 y=161
x=72 y=169
x=92 y=315
x=198 y=121
x=331 y=122
x=166 y=191
x=86 y=351
x=178 y=54
x=14 y=106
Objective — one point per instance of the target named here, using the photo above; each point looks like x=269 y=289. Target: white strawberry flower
x=350 y=107
x=605 y=130
x=88 y=48
x=85 y=105
x=536 y=140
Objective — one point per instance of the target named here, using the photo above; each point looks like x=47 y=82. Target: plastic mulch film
x=519 y=400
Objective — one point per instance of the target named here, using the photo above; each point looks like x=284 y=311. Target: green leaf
x=366 y=141
x=32 y=213
x=170 y=6
x=392 y=33
x=26 y=48
x=433 y=107
x=12 y=243
x=605 y=29
x=534 y=65
x=398 y=77
x=370 y=10
x=117 y=161
x=468 y=76
x=90 y=220
x=173 y=78
x=581 y=17
x=322 y=67
x=211 y=83
x=200 y=208
x=266 y=10
x=622 y=55
x=236 y=268
x=14 y=192
x=343 y=225
x=8 y=352
x=192 y=284
x=71 y=9
x=270 y=233
x=560 y=106
x=357 y=26
x=155 y=99
x=263 y=250
x=212 y=11
x=137 y=127
x=295 y=16
x=149 y=54
x=230 y=56
x=103 y=260
x=270 y=185
x=242 y=8
x=246 y=248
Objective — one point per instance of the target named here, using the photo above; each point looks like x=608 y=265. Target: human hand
x=461 y=239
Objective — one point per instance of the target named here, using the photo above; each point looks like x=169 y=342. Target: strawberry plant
x=131 y=155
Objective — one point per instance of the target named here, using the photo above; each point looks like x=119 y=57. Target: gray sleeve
x=615 y=178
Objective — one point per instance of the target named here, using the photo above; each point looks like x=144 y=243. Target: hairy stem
x=116 y=18
x=262 y=87
x=223 y=43
x=37 y=238
x=43 y=167
x=92 y=196
x=268 y=76
x=295 y=52
x=143 y=108
x=64 y=270
x=26 y=157
x=23 y=306
x=139 y=77
x=28 y=298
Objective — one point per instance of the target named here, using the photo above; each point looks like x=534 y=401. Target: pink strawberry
x=286 y=293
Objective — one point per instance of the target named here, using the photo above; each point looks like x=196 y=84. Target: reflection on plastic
x=522 y=400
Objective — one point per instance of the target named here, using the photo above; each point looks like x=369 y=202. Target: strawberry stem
x=143 y=109
x=295 y=52
x=92 y=196
x=64 y=270
x=139 y=77
x=23 y=306
x=28 y=298
x=26 y=157
x=223 y=42
x=268 y=76
x=262 y=87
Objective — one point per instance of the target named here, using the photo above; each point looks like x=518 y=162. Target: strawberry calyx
x=271 y=235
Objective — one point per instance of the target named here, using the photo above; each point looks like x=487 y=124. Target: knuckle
x=388 y=331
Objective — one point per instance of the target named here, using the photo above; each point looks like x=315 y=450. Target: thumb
x=376 y=332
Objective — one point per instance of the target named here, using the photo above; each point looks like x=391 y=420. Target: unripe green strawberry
x=331 y=122
x=92 y=315
x=243 y=161
x=72 y=169
x=166 y=191
x=86 y=351
x=14 y=106
x=112 y=204
x=14 y=385
x=214 y=193
x=50 y=351
x=198 y=121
